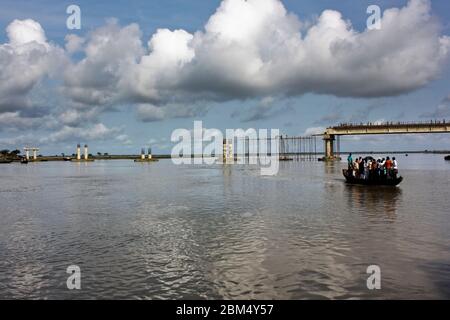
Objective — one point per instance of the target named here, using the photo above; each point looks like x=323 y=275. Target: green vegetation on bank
x=7 y=155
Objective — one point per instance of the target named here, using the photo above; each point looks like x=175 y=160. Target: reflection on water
x=332 y=167
x=374 y=199
x=163 y=231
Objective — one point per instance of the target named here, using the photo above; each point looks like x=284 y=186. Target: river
x=161 y=231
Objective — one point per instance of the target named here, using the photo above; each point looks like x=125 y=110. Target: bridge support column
x=149 y=153
x=228 y=154
x=86 y=154
x=329 y=146
x=78 y=152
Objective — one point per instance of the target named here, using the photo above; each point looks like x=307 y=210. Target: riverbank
x=168 y=156
x=109 y=157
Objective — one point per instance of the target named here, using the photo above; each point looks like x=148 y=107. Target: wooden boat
x=375 y=182
x=447 y=158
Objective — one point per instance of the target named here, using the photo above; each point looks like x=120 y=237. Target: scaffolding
x=290 y=148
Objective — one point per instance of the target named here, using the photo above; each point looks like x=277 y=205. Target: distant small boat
x=284 y=158
x=146 y=160
x=447 y=158
x=5 y=161
x=376 y=182
x=24 y=161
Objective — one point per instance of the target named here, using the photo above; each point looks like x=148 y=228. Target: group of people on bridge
x=370 y=168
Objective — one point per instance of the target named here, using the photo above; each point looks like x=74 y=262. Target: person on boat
x=355 y=170
x=374 y=165
x=358 y=169
x=369 y=169
x=383 y=168
x=388 y=165
x=394 y=167
x=378 y=169
x=350 y=161
x=373 y=169
x=361 y=167
x=367 y=166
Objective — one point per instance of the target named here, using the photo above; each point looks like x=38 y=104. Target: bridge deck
x=390 y=128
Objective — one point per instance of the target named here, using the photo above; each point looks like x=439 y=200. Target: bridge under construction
x=333 y=134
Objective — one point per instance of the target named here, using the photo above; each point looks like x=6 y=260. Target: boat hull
x=371 y=182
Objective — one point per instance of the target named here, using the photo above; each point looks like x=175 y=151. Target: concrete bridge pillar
x=228 y=154
x=86 y=154
x=329 y=146
x=78 y=152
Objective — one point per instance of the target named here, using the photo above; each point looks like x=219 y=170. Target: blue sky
x=293 y=113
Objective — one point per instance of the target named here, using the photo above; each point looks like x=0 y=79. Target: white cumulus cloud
x=256 y=48
x=24 y=61
x=246 y=49
x=96 y=132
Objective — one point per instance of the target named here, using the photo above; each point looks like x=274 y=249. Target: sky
x=137 y=70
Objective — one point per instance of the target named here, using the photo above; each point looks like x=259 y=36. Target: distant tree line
x=7 y=154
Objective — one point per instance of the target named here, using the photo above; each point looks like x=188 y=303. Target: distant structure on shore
x=143 y=158
x=27 y=153
x=86 y=154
